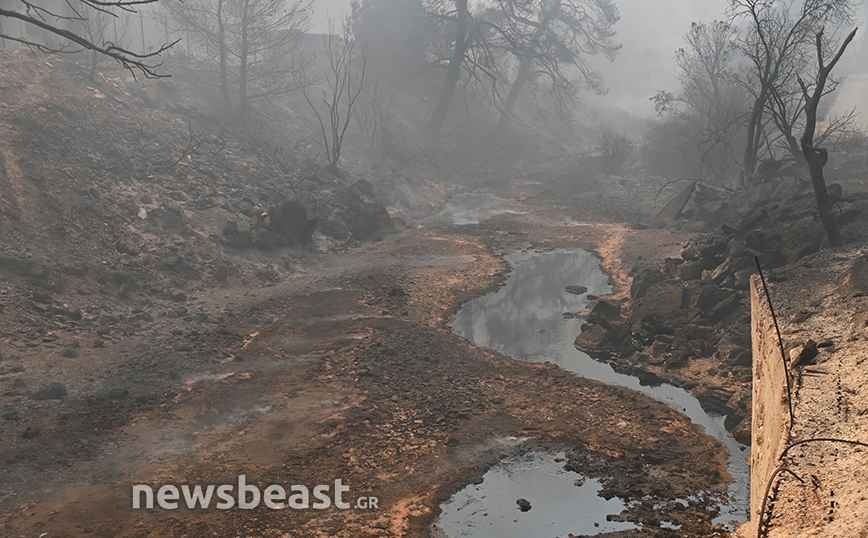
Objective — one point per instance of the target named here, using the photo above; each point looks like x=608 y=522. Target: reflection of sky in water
x=523 y=320
x=488 y=510
x=475 y=207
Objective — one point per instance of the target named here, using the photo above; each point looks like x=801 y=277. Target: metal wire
x=780 y=340
x=815 y=439
x=760 y=525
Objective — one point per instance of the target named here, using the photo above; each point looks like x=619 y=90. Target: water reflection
x=489 y=510
x=524 y=320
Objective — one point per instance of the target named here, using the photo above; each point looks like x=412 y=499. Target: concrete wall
x=771 y=419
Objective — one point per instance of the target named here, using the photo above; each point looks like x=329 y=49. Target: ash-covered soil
x=181 y=305
x=357 y=378
x=170 y=315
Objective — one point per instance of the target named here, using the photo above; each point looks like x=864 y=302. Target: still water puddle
x=524 y=320
x=475 y=207
x=489 y=510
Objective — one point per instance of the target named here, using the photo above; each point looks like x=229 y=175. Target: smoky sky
x=649 y=31
x=325 y=9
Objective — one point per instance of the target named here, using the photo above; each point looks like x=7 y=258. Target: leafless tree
x=374 y=111
x=777 y=41
x=60 y=31
x=457 y=14
x=547 y=37
x=817 y=156
x=392 y=32
x=253 y=46
x=615 y=150
x=341 y=85
x=710 y=104
x=101 y=27
x=544 y=38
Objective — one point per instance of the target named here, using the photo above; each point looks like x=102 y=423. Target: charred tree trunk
x=514 y=91
x=754 y=136
x=797 y=153
x=817 y=157
x=454 y=70
x=242 y=72
x=221 y=45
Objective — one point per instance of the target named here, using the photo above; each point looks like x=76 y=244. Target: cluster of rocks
x=352 y=214
x=697 y=306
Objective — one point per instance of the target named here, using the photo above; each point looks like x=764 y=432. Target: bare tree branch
x=42 y=18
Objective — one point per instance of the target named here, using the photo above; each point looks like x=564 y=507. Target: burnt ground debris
x=169 y=315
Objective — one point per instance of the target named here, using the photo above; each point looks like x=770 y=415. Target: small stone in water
x=576 y=290
x=523 y=505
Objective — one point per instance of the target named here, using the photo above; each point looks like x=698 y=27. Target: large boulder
x=290 y=220
x=605 y=313
x=51 y=391
x=663 y=299
x=364 y=218
x=644 y=280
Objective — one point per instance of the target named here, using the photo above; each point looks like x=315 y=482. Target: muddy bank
x=363 y=381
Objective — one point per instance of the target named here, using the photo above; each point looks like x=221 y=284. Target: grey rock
x=51 y=391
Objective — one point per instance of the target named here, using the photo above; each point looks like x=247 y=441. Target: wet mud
x=353 y=373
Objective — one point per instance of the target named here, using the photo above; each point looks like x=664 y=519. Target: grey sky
x=323 y=9
x=650 y=32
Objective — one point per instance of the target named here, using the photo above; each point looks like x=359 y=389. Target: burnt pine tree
x=777 y=43
x=549 y=36
x=251 y=45
x=100 y=27
x=393 y=33
x=710 y=105
x=460 y=16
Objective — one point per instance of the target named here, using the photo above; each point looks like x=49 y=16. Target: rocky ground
x=686 y=320
x=357 y=377
x=180 y=305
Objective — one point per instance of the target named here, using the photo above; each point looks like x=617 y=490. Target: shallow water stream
x=475 y=207
x=524 y=320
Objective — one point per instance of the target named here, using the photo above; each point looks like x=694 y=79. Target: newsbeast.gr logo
x=248 y=497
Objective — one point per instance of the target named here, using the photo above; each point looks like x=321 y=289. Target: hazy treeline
x=745 y=81
x=511 y=53
x=735 y=117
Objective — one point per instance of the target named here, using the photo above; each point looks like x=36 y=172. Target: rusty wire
x=760 y=525
x=780 y=340
x=827 y=439
x=762 y=528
